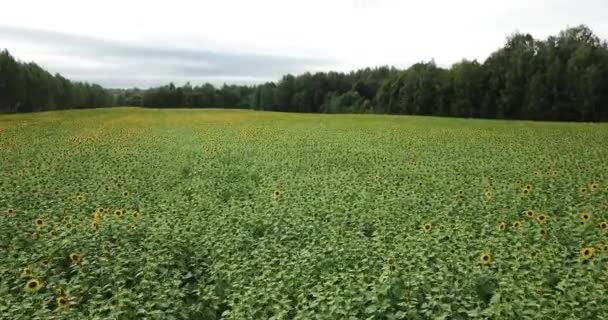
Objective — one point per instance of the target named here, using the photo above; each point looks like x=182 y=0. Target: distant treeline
x=564 y=77
x=26 y=87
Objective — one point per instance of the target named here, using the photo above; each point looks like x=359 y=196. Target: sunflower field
x=131 y=213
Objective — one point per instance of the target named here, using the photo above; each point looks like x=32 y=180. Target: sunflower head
x=27 y=272
x=525 y=191
x=33 y=285
x=582 y=190
x=604 y=225
x=542 y=232
x=62 y=302
x=39 y=222
x=585 y=216
x=136 y=215
x=529 y=213
x=516 y=224
x=75 y=257
x=541 y=218
x=489 y=194
x=118 y=213
x=10 y=212
x=502 y=226
x=586 y=253
x=125 y=194
x=392 y=267
x=427 y=227
x=276 y=194
x=485 y=258
x=100 y=210
x=80 y=198
x=594 y=187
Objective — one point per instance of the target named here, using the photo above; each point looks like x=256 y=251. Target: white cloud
x=351 y=33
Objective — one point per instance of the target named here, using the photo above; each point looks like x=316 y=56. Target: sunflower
x=80 y=198
x=33 y=285
x=276 y=193
x=502 y=226
x=27 y=272
x=485 y=258
x=489 y=194
x=100 y=210
x=528 y=187
x=95 y=225
x=542 y=232
x=427 y=227
x=533 y=254
x=117 y=213
x=529 y=213
x=541 y=218
x=125 y=194
x=136 y=215
x=123 y=211
x=62 y=302
x=585 y=217
x=460 y=193
x=392 y=267
x=35 y=236
x=604 y=225
x=39 y=222
x=587 y=253
x=516 y=224
x=582 y=190
x=594 y=187
x=10 y=212
x=75 y=257
x=45 y=262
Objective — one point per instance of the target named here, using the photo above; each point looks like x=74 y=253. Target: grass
x=256 y=215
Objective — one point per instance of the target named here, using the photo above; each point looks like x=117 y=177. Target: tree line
x=563 y=77
x=26 y=87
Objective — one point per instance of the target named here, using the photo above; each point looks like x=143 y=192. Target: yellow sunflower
x=542 y=232
x=80 y=198
x=136 y=215
x=427 y=227
x=27 y=272
x=392 y=268
x=594 y=187
x=276 y=194
x=582 y=190
x=10 y=212
x=525 y=191
x=100 y=210
x=516 y=224
x=489 y=194
x=529 y=213
x=585 y=216
x=117 y=213
x=502 y=226
x=541 y=218
x=39 y=223
x=33 y=285
x=75 y=257
x=586 y=253
x=604 y=225
x=63 y=303
x=485 y=258
x=125 y=194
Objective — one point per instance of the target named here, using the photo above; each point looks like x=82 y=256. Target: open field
x=182 y=214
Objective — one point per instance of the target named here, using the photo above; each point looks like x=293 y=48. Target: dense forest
x=26 y=87
x=563 y=77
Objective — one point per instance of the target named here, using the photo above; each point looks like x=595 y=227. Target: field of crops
x=183 y=214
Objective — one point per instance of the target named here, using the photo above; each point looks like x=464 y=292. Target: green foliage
x=26 y=87
x=255 y=215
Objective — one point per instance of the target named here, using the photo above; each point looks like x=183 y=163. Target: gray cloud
x=120 y=64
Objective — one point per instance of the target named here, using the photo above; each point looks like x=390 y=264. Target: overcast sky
x=120 y=43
